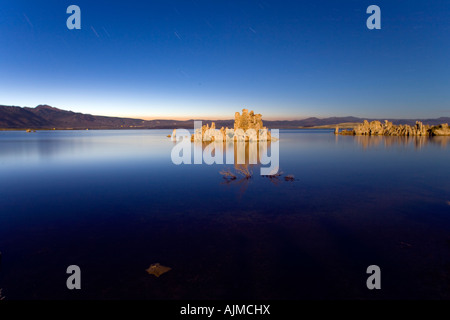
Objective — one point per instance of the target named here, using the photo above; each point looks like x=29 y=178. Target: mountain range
x=47 y=117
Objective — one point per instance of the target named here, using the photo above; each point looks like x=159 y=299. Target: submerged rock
x=156 y=269
x=289 y=177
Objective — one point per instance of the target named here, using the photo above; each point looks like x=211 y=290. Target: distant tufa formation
x=247 y=127
x=376 y=128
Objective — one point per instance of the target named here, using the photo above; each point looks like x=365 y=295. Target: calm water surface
x=112 y=202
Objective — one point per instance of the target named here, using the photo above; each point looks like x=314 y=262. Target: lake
x=113 y=203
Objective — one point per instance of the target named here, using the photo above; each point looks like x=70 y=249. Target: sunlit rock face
x=208 y=134
x=174 y=135
x=248 y=120
x=252 y=135
x=248 y=126
x=229 y=133
x=217 y=135
x=197 y=137
x=263 y=134
x=440 y=130
x=376 y=128
x=239 y=134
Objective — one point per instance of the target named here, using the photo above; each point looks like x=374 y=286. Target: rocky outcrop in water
x=440 y=130
x=247 y=127
x=248 y=120
x=376 y=128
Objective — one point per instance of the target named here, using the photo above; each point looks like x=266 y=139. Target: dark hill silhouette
x=47 y=117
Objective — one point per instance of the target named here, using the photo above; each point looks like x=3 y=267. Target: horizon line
x=224 y=118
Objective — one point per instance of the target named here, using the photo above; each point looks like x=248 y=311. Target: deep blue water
x=112 y=202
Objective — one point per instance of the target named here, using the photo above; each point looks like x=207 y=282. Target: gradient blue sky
x=208 y=59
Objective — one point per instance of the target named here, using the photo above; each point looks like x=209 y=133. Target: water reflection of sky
x=62 y=188
x=315 y=156
x=76 y=146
